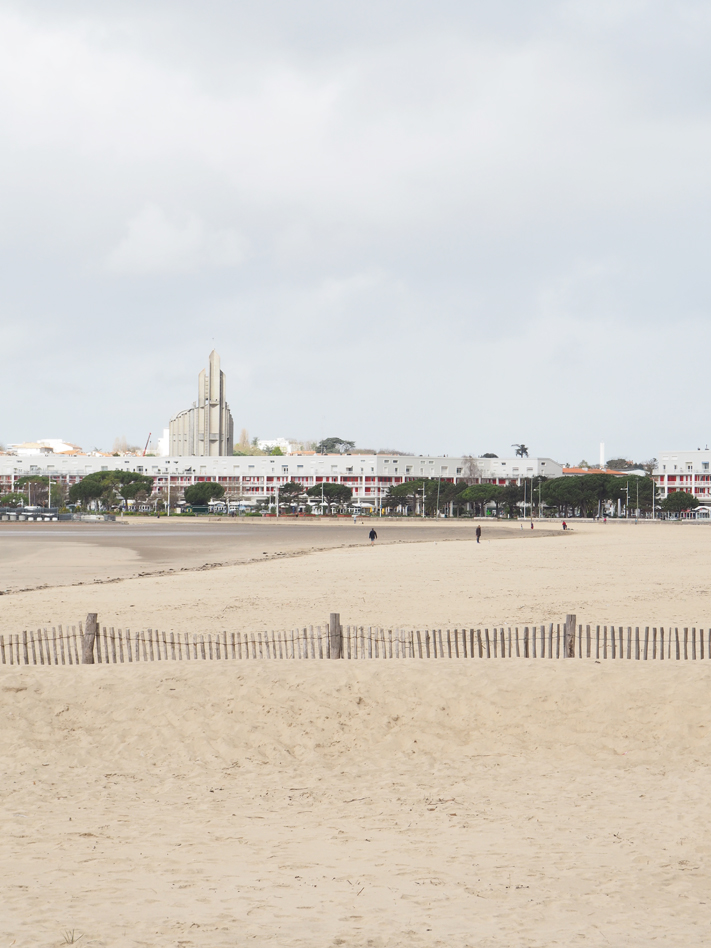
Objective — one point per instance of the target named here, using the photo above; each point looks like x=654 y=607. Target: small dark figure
x=565 y=525
x=532 y=525
x=372 y=536
x=478 y=533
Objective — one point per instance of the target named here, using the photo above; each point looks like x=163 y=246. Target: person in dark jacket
x=372 y=536
x=478 y=533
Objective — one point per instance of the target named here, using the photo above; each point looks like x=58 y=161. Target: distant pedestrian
x=565 y=525
x=372 y=536
x=478 y=533
x=532 y=525
x=355 y=518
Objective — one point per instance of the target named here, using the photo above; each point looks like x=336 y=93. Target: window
x=285 y=469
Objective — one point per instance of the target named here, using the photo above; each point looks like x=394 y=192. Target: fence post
x=569 y=636
x=90 y=630
x=335 y=635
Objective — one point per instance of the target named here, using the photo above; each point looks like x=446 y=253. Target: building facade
x=206 y=429
x=688 y=471
x=251 y=479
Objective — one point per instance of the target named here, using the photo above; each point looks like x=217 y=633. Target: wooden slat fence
x=60 y=646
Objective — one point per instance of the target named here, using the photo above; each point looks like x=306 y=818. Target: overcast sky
x=440 y=227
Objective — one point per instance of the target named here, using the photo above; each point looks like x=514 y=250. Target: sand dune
x=356 y=804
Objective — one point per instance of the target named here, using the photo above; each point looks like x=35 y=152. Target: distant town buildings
x=284 y=445
x=44 y=447
x=206 y=429
x=249 y=479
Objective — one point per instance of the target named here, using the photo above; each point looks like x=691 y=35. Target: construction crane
x=147 y=443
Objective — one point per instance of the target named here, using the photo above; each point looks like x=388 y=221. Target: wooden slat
x=646 y=643
x=112 y=636
x=129 y=645
x=2 y=649
x=34 y=650
x=686 y=643
x=488 y=643
x=25 y=652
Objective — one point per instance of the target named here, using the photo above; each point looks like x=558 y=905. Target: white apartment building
x=370 y=476
x=688 y=471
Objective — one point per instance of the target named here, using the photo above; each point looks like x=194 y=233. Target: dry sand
x=356 y=804
x=508 y=804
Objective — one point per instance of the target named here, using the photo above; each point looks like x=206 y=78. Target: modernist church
x=206 y=429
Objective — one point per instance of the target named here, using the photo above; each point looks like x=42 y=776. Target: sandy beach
x=416 y=576
x=444 y=803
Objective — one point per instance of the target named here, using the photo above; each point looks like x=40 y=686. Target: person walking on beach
x=478 y=533
x=565 y=525
x=372 y=536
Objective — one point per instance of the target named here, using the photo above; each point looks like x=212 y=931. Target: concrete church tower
x=206 y=429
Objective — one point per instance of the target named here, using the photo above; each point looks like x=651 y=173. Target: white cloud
x=156 y=244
